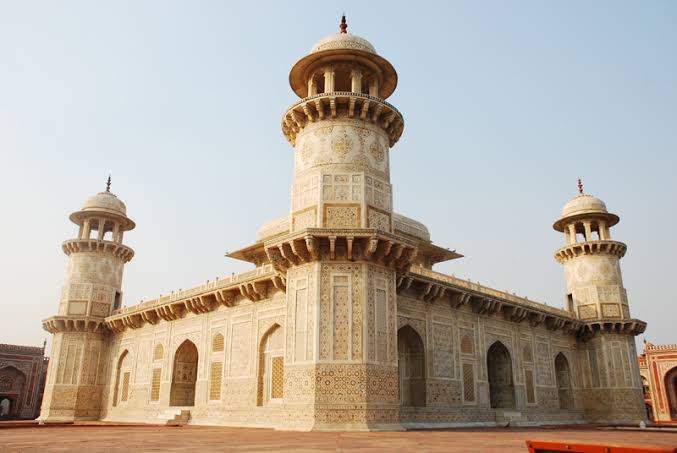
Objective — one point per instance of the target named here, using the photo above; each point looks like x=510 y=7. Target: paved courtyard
x=198 y=438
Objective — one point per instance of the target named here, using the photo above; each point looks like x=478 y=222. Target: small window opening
x=118 y=300
x=570 y=302
x=342 y=80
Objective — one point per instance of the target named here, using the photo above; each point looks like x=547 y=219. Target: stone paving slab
x=94 y=438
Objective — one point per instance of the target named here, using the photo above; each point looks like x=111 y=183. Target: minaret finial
x=580 y=186
x=344 y=24
x=108 y=184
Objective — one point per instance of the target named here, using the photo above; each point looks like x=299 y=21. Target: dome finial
x=344 y=24
x=580 y=186
x=108 y=184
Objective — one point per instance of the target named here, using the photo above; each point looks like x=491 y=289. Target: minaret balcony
x=57 y=324
x=342 y=104
x=577 y=249
x=595 y=327
x=95 y=245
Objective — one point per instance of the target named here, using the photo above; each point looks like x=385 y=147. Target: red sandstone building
x=658 y=368
x=22 y=381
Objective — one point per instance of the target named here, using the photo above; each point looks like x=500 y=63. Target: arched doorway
x=12 y=383
x=122 y=379
x=671 y=391
x=411 y=367
x=563 y=378
x=501 y=386
x=271 y=366
x=184 y=375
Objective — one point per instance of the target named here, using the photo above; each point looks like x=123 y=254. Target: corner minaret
x=591 y=259
x=611 y=390
x=92 y=290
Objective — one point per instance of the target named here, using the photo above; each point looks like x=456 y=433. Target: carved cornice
x=326 y=244
x=254 y=285
x=95 y=245
x=342 y=104
x=571 y=251
x=70 y=323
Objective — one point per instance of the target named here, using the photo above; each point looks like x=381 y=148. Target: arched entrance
x=671 y=391
x=122 y=379
x=184 y=375
x=271 y=366
x=501 y=386
x=12 y=383
x=411 y=367
x=563 y=378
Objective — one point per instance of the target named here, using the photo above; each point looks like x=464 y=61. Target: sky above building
x=506 y=104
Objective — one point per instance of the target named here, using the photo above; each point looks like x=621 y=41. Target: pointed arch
x=12 y=391
x=184 y=375
x=411 y=367
x=564 y=384
x=270 y=382
x=122 y=377
x=501 y=384
x=670 y=382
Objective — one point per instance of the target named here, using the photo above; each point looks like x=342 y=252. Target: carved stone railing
x=590 y=248
x=95 y=245
x=660 y=347
x=342 y=104
x=431 y=286
x=19 y=349
x=254 y=285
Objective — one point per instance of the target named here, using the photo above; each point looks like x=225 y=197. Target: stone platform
x=95 y=437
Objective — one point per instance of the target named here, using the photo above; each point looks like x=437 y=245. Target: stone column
x=373 y=87
x=356 y=79
x=329 y=75
x=102 y=224
x=588 y=231
x=87 y=229
x=312 y=85
x=572 y=233
x=116 y=233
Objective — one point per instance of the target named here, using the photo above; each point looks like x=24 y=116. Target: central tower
x=340 y=256
x=342 y=130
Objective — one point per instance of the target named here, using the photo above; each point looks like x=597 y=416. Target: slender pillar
x=373 y=87
x=329 y=75
x=312 y=85
x=356 y=79
x=102 y=224
x=588 y=231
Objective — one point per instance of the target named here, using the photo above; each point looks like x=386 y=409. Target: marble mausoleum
x=342 y=323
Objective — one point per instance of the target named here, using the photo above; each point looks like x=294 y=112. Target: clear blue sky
x=505 y=105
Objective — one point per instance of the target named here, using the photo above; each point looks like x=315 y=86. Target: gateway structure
x=343 y=323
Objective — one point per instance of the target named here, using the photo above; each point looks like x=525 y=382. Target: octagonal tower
x=342 y=130
x=91 y=291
